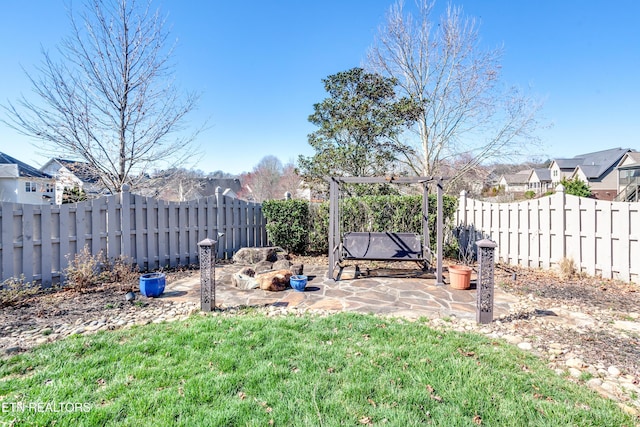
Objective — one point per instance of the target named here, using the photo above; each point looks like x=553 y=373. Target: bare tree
x=467 y=113
x=289 y=180
x=175 y=185
x=109 y=97
x=269 y=179
x=263 y=182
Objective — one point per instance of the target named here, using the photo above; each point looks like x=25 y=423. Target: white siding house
x=70 y=174
x=21 y=183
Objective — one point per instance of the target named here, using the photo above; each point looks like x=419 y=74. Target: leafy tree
x=357 y=126
x=109 y=97
x=467 y=113
x=576 y=186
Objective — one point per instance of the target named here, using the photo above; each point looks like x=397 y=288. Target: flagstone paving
x=402 y=296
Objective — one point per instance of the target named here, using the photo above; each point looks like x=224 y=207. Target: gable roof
x=568 y=164
x=82 y=170
x=590 y=171
x=515 y=178
x=634 y=156
x=24 y=170
x=595 y=164
x=543 y=174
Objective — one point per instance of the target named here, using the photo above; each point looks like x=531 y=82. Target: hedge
x=303 y=228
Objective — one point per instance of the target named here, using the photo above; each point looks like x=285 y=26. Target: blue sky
x=259 y=66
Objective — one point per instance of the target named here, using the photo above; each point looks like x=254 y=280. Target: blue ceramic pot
x=298 y=282
x=152 y=284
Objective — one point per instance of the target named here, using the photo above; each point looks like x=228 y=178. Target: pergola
x=336 y=239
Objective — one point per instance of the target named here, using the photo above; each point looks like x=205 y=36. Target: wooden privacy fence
x=37 y=240
x=601 y=237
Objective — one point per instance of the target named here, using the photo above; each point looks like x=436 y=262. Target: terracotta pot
x=460 y=276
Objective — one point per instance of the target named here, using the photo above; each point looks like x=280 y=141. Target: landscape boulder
x=282 y=264
x=250 y=256
x=276 y=280
x=263 y=266
x=243 y=281
x=297 y=269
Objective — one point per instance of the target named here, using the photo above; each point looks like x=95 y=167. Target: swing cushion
x=382 y=246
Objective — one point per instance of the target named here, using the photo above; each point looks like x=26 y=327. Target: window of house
x=30 y=187
x=49 y=188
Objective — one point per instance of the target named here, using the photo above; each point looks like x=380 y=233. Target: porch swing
x=386 y=245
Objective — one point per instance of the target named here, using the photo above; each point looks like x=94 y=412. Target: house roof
x=515 y=178
x=635 y=160
x=568 y=164
x=82 y=170
x=24 y=170
x=590 y=171
x=594 y=164
x=543 y=174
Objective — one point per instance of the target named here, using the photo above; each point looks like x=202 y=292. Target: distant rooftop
x=24 y=170
x=596 y=163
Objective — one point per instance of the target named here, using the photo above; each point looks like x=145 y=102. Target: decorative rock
x=248 y=271
x=574 y=362
x=525 y=346
x=511 y=339
x=263 y=266
x=12 y=350
x=627 y=325
x=243 y=281
x=594 y=382
x=248 y=256
x=276 y=280
x=575 y=372
x=281 y=264
x=613 y=371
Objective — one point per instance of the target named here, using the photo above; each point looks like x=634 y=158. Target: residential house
x=70 y=174
x=22 y=183
x=597 y=169
x=629 y=177
x=562 y=168
x=516 y=182
x=540 y=180
x=209 y=185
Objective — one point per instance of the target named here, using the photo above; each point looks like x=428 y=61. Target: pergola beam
x=382 y=179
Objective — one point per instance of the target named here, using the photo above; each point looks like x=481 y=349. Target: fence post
x=485 y=282
x=561 y=210
x=220 y=215
x=207 y=274
x=125 y=223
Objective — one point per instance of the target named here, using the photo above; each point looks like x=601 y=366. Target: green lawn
x=253 y=370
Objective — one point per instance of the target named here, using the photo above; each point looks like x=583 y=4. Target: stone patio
x=407 y=296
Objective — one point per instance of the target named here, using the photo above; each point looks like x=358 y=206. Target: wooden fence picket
x=601 y=237
x=38 y=241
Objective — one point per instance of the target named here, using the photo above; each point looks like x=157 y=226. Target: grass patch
x=345 y=369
